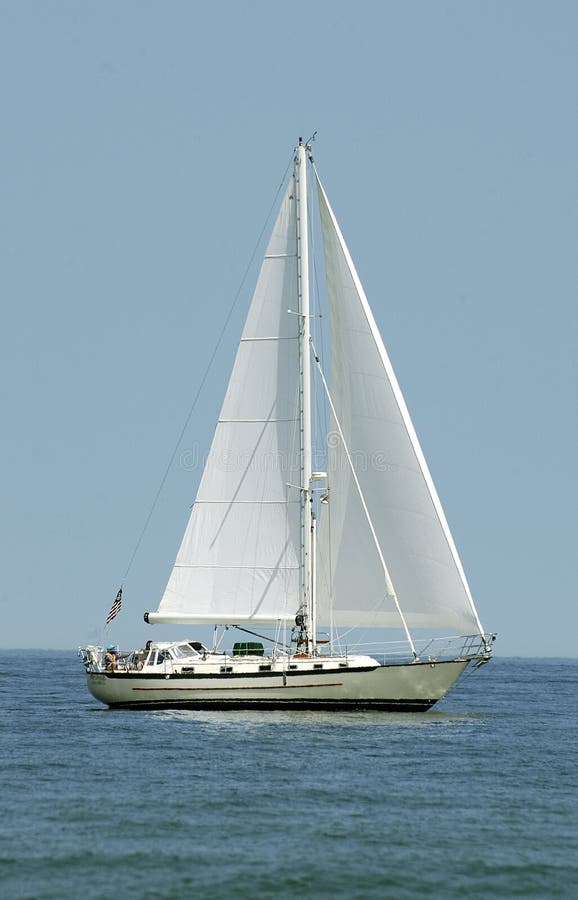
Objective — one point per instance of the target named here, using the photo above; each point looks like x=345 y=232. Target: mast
x=307 y=598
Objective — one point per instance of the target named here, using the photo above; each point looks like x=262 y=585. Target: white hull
x=403 y=687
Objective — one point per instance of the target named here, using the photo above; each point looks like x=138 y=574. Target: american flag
x=115 y=608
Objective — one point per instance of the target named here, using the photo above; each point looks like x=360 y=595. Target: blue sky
x=142 y=146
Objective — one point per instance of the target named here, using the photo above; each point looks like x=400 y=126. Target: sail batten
x=237 y=502
x=266 y=338
x=249 y=568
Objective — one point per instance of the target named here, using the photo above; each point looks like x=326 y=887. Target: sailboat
x=291 y=558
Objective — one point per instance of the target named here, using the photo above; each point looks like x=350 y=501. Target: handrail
x=470 y=646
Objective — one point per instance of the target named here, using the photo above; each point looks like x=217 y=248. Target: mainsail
x=400 y=497
x=239 y=558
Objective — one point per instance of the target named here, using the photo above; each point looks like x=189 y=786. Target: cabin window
x=226 y=668
x=343 y=665
x=264 y=668
x=292 y=665
x=317 y=665
x=185 y=650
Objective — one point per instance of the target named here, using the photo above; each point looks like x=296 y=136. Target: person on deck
x=110 y=658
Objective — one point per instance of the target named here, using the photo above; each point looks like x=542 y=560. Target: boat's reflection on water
x=250 y=719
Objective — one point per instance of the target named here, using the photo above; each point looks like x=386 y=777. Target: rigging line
x=206 y=374
x=316 y=319
x=263 y=637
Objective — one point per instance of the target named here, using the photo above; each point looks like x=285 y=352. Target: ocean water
x=476 y=798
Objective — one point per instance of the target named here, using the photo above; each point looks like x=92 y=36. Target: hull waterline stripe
x=375 y=705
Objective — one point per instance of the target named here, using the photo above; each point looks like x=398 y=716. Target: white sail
x=405 y=512
x=239 y=558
